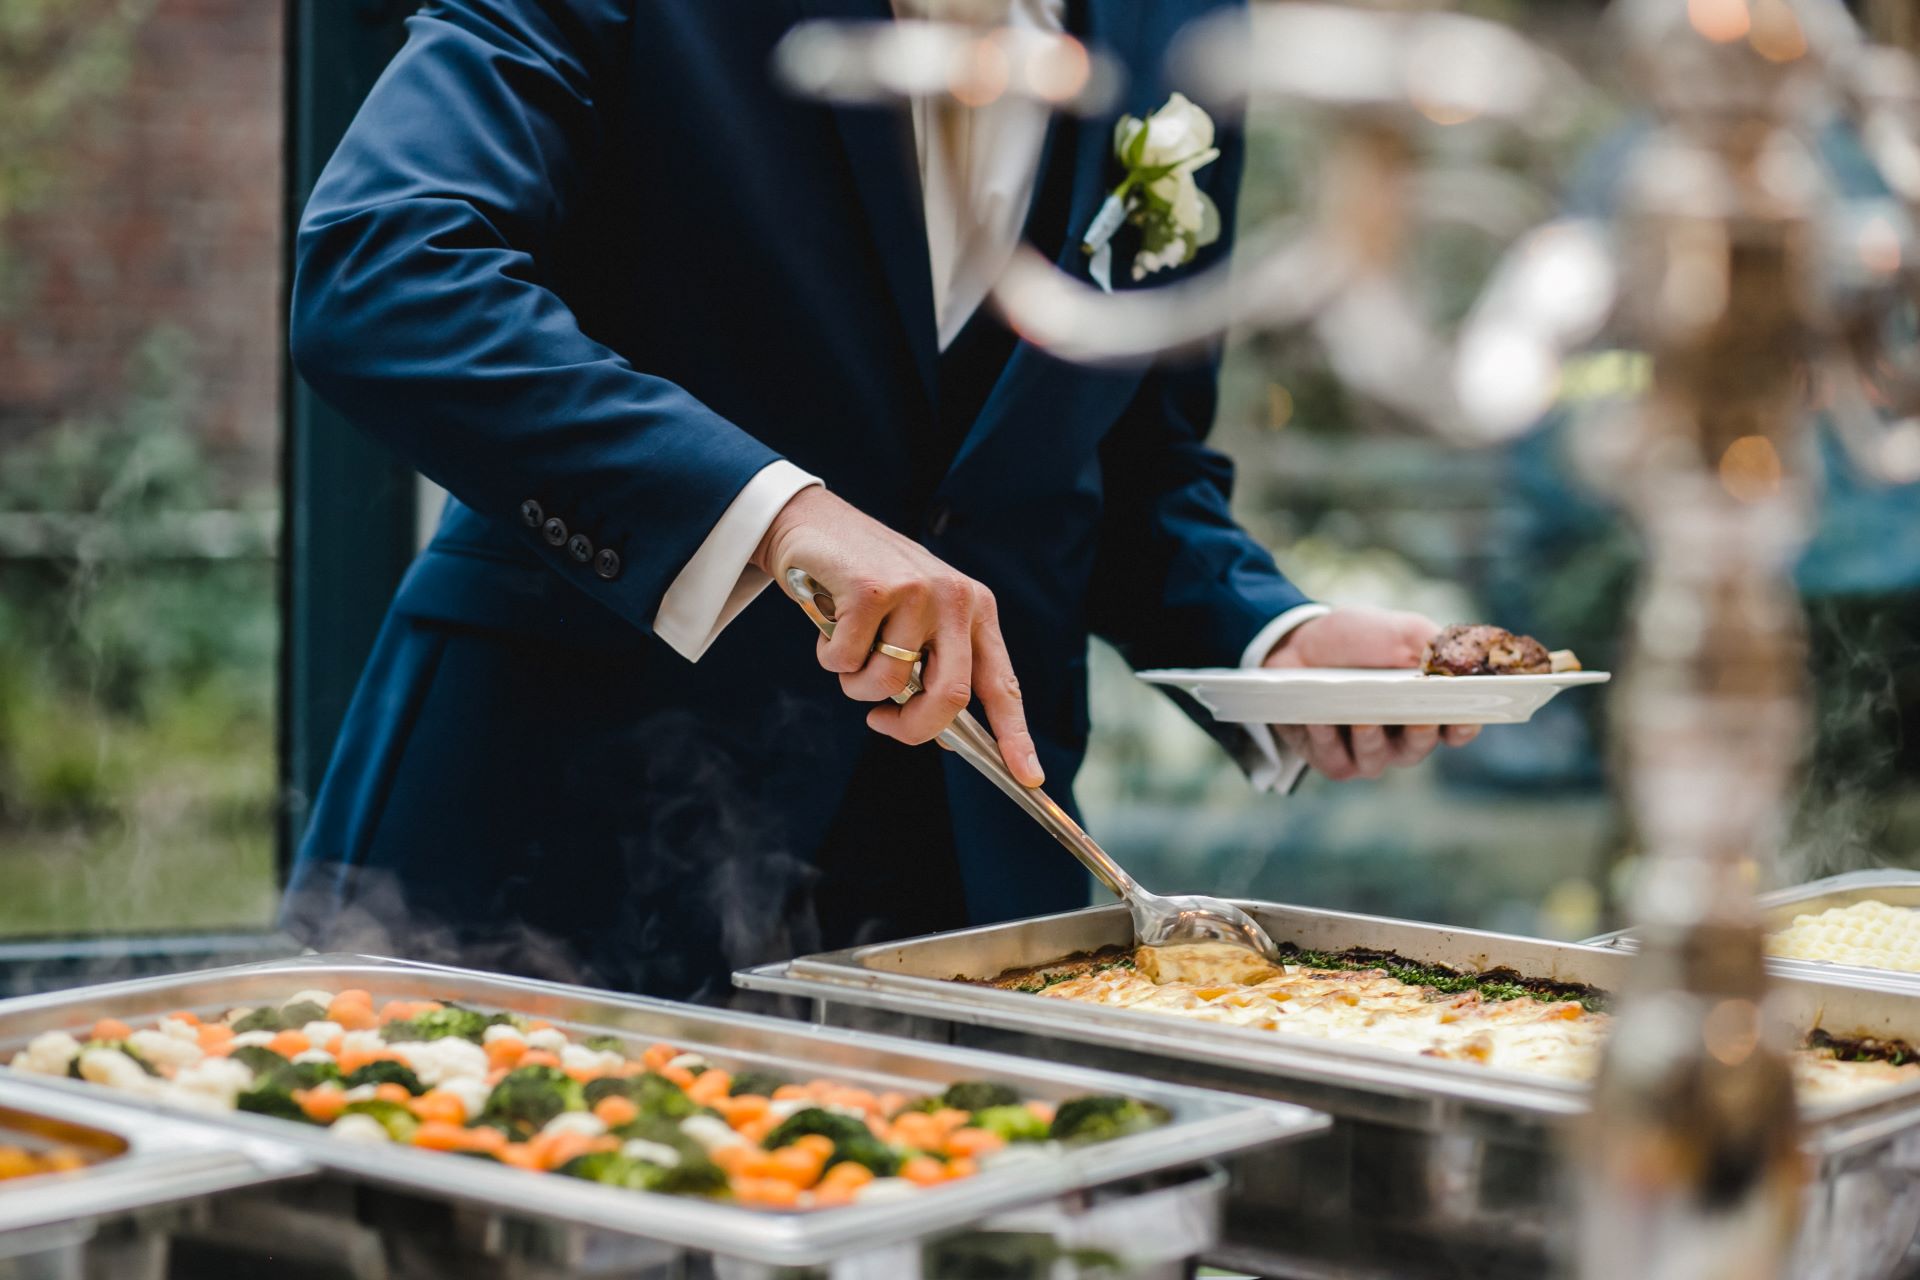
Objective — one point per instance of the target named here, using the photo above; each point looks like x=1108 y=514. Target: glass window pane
x=140 y=282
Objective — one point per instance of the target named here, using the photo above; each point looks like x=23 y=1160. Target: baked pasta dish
x=1497 y=1019
x=523 y=1093
x=1874 y=935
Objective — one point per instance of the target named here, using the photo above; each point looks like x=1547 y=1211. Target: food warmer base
x=382 y=1211
x=1432 y=1169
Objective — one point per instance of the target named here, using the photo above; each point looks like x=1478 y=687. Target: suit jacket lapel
x=880 y=149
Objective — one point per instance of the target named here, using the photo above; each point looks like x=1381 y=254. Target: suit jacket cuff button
x=554 y=531
x=580 y=548
x=607 y=563
x=532 y=514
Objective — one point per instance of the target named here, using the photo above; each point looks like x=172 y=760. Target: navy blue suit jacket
x=586 y=254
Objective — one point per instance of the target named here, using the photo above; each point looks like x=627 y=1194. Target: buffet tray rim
x=168 y=1158
x=1208 y=1124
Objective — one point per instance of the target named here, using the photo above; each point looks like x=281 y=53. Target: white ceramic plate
x=1339 y=695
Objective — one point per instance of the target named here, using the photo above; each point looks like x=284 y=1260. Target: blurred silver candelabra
x=1757 y=289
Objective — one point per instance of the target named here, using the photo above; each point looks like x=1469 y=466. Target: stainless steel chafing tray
x=1433 y=1168
x=136 y=1162
x=1894 y=886
x=1204 y=1125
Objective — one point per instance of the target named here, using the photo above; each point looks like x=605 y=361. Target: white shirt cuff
x=1272 y=767
x=719 y=580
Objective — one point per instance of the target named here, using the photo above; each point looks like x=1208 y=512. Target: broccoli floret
x=926 y=1106
x=1013 y=1124
x=699 y=1176
x=436 y=1024
x=1103 y=1117
x=271 y=1097
x=760 y=1082
x=978 y=1095
x=300 y=1013
x=654 y=1094
x=386 y=1071
x=262 y=1019
x=305 y=1075
x=73 y=1068
x=852 y=1140
x=815 y=1120
x=399 y=1122
x=605 y=1044
x=865 y=1149
x=527 y=1097
x=259 y=1059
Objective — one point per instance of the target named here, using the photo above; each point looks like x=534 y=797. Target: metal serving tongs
x=1184 y=920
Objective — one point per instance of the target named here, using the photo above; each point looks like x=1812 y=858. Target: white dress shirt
x=978 y=169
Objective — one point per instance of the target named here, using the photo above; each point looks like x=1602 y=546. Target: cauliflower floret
x=502 y=1031
x=48 y=1054
x=361 y=1092
x=246 y=1038
x=192 y=1099
x=358 y=1128
x=179 y=1030
x=689 y=1062
x=438 y=1061
x=313 y=1055
x=362 y=1042
x=781 y=1108
x=547 y=1038
x=577 y=1057
x=652 y=1152
x=163 y=1050
x=321 y=1032
x=711 y=1132
x=114 y=1069
x=221 y=1079
x=472 y=1093
x=584 y=1122
x=315 y=996
x=886 y=1190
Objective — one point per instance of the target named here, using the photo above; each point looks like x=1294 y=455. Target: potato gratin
x=1871 y=934
x=1496 y=1020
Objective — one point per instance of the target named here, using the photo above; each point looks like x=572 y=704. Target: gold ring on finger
x=895 y=651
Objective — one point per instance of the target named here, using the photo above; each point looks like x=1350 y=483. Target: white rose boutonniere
x=1158 y=195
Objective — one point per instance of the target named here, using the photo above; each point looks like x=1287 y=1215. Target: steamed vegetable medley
x=495 y=1086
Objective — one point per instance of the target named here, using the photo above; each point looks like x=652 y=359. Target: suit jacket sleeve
x=420 y=308
x=1177 y=581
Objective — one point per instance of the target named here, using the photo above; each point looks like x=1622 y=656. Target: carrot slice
x=659 y=1055
x=321 y=1104
x=539 y=1058
x=391 y=1092
x=289 y=1043
x=110 y=1029
x=519 y=1156
x=505 y=1052
x=438 y=1135
x=615 y=1110
x=439 y=1106
x=973 y=1142
x=187 y=1016
x=923 y=1171
x=961 y=1168
x=679 y=1075
x=709 y=1087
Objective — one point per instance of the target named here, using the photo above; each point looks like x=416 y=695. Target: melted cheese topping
x=1561 y=1039
x=1869 y=933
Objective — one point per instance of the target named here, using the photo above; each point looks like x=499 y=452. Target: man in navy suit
x=663 y=330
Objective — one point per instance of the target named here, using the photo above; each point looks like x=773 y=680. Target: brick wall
x=165 y=211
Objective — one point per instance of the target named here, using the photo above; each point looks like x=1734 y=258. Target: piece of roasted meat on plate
x=1476 y=649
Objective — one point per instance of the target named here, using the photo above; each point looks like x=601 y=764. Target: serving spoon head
x=1190 y=933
